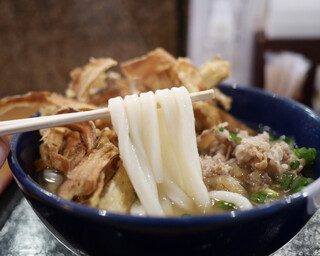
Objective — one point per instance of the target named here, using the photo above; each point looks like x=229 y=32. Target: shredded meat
x=252 y=162
x=252 y=152
x=222 y=144
x=225 y=183
x=258 y=154
x=258 y=181
x=280 y=156
x=214 y=166
x=216 y=174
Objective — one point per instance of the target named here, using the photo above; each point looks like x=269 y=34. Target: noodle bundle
x=159 y=151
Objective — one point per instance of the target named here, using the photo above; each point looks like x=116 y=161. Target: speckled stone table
x=24 y=235
x=306 y=242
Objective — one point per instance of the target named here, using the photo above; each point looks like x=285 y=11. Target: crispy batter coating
x=206 y=115
x=158 y=70
x=188 y=75
x=83 y=179
x=61 y=101
x=119 y=193
x=83 y=78
x=31 y=99
x=50 y=149
x=214 y=71
x=153 y=62
x=86 y=129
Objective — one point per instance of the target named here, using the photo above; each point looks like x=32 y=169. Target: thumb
x=4 y=149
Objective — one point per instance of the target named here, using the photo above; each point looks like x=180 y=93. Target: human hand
x=4 y=149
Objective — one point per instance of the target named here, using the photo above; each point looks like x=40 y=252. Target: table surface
x=23 y=234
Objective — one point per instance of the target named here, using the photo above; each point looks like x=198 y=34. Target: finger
x=4 y=149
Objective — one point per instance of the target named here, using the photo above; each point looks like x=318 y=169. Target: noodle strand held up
x=182 y=129
x=130 y=159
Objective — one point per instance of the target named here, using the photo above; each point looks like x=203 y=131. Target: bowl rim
x=34 y=190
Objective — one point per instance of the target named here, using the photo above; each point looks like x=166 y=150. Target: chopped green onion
x=298 y=189
x=221 y=129
x=261 y=197
x=226 y=205
x=307 y=171
x=258 y=197
x=294 y=185
x=272 y=138
x=310 y=180
x=294 y=164
x=271 y=193
x=299 y=183
x=290 y=140
x=185 y=215
x=234 y=137
x=286 y=181
x=308 y=154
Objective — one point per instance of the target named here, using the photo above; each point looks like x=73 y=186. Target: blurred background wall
x=42 y=41
x=272 y=44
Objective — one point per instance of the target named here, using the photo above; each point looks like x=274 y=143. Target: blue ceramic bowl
x=259 y=231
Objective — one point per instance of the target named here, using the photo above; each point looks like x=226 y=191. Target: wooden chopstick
x=36 y=123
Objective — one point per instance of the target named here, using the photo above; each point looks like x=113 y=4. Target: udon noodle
x=159 y=150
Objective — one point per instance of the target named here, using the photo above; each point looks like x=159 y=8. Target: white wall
x=237 y=33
